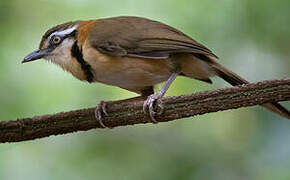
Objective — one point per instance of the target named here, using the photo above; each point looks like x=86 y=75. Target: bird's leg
x=154 y=99
x=100 y=110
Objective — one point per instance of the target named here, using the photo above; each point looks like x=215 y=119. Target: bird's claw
x=100 y=111
x=152 y=105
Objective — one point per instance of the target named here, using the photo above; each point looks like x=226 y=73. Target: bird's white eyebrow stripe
x=64 y=32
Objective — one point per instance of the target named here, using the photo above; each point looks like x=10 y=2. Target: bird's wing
x=139 y=37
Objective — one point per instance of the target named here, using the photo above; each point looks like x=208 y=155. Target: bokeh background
x=250 y=37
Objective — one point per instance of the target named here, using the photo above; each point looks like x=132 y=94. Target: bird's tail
x=235 y=80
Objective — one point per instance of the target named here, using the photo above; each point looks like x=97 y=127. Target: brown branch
x=129 y=112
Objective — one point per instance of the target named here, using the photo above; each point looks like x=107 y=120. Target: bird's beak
x=38 y=54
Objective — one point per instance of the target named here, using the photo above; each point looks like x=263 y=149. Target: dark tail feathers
x=235 y=79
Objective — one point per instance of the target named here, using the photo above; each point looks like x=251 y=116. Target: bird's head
x=56 y=44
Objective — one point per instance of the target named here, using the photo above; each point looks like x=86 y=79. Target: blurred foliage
x=250 y=37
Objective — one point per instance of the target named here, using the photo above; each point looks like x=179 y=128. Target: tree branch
x=129 y=112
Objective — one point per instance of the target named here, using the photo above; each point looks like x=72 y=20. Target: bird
x=133 y=53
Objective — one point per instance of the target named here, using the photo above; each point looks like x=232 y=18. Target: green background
x=250 y=37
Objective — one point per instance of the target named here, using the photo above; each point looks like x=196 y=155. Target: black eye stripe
x=72 y=34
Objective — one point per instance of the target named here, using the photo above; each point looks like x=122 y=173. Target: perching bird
x=135 y=54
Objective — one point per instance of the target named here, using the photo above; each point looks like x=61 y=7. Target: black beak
x=38 y=54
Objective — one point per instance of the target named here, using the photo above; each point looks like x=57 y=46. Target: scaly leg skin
x=100 y=110
x=154 y=100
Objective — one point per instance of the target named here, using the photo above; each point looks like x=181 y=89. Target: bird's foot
x=100 y=111
x=153 y=106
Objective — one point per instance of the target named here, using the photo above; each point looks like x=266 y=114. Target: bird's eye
x=56 y=39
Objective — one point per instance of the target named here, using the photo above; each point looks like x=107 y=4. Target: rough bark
x=129 y=112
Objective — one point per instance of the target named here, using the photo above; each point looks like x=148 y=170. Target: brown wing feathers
x=148 y=40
